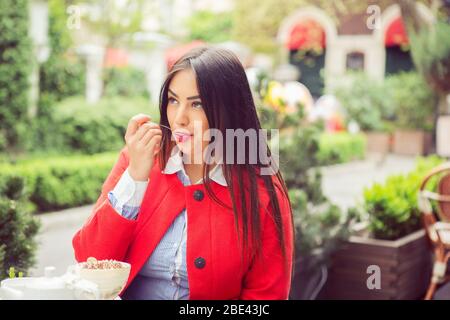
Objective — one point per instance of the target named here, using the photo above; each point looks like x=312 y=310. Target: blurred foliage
x=391 y=207
x=116 y=21
x=80 y=127
x=99 y=127
x=320 y=226
x=53 y=183
x=413 y=101
x=15 y=69
x=18 y=228
x=340 y=147
x=256 y=22
x=402 y=100
x=210 y=26
x=124 y=82
x=431 y=54
x=364 y=100
x=61 y=76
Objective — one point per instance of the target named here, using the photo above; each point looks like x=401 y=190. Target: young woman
x=196 y=222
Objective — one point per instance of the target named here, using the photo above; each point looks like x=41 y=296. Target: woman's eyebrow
x=189 y=98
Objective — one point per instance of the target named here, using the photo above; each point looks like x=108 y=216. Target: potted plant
x=414 y=105
x=319 y=230
x=363 y=99
x=391 y=239
x=319 y=225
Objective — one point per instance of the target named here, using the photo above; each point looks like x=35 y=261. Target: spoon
x=161 y=125
x=178 y=138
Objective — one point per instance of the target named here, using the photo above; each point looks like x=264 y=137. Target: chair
x=437 y=225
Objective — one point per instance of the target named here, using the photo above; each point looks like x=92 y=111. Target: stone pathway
x=344 y=183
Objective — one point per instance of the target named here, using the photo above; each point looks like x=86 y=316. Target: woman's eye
x=172 y=100
x=197 y=104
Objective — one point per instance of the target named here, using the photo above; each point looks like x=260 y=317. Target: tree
x=209 y=26
x=61 y=76
x=117 y=21
x=430 y=46
x=15 y=69
x=256 y=22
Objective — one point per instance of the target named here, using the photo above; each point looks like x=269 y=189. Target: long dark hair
x=228 y=103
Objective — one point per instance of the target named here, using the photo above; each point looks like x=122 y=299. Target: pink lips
x=181 y=136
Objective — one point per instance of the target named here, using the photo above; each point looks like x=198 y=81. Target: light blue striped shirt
x=164 y=275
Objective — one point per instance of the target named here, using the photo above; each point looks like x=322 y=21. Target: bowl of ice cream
x=111 y=276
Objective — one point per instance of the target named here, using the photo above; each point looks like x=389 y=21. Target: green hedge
x=125 y=82
x=82 y=127
x=341 y=147
x=15 y=68
x=55 y=183
x=391 y=207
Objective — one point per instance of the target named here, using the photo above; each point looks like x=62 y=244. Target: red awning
x=174 y=53
x=395 y=34
x=307 y=34
x=115 y=58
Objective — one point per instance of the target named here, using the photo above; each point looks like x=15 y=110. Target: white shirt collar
x=175 y=164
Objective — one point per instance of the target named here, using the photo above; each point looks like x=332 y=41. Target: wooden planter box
x=378 y=142
x=405 y=268
x=412 y=143
x=442 y=134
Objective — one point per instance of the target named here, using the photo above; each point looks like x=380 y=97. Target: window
x=355 y=61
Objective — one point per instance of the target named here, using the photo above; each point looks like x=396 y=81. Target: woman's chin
x=185 y=147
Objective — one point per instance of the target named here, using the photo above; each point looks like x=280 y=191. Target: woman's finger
x=149 y=134
x=144 y=129
x=154 y=141
x=134 y=123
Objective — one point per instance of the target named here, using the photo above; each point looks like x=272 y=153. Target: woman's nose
x=182 y=116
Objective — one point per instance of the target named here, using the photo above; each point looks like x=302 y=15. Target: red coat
x=214 y=265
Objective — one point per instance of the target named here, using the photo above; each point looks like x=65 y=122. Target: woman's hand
x=143 y=140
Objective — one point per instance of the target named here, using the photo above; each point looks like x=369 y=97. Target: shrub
x=341 y=147
x=430 y=49
x=127 y=82
x=412 y=99
x=364 y=100
x=15 y=69
x=391 y=207
x=61 y=76
x=81 y=127
x=299 y=162
x=319 y=224
x=402 y=100
x=317 y=227
x=60 y=182
x=18 y=227
x=319 y=231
